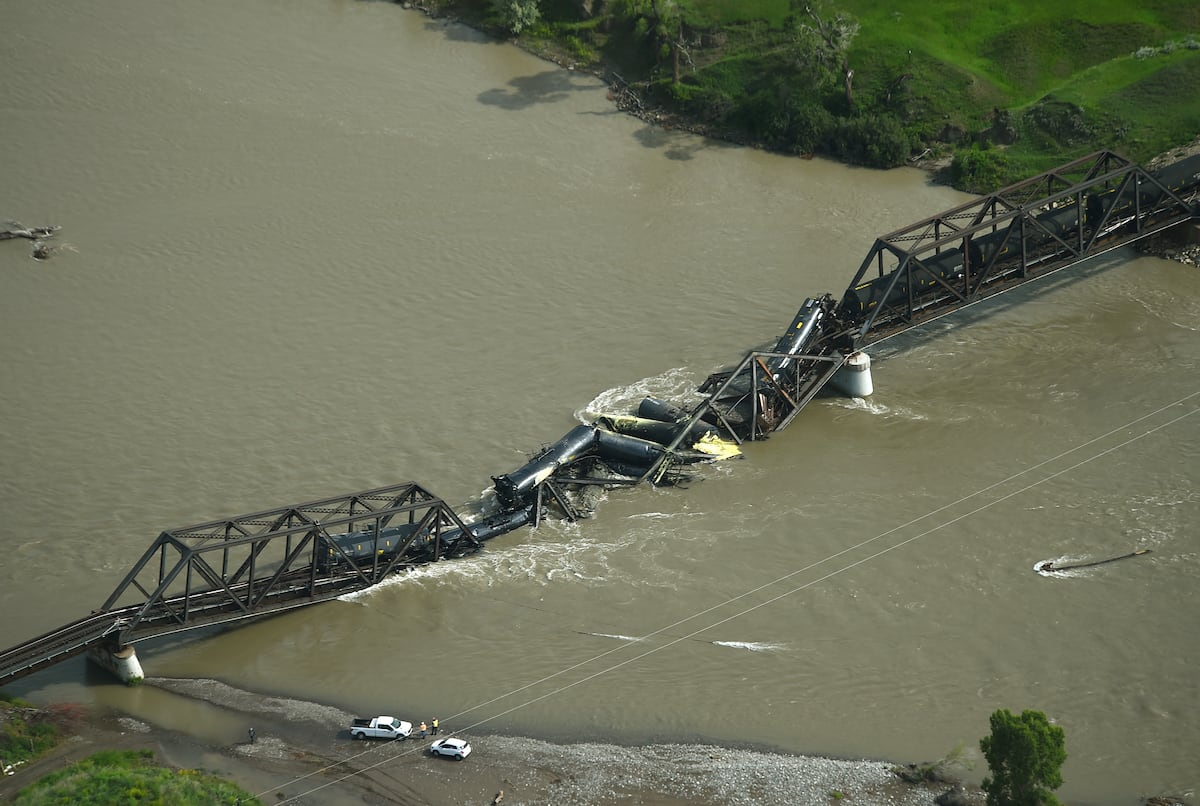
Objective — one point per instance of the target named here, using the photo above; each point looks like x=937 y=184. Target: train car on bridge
x=337 y=551
x=1020 y=242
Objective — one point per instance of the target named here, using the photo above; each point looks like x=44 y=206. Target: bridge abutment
x=121 y=661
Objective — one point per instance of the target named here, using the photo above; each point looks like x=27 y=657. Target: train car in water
x=363 y=547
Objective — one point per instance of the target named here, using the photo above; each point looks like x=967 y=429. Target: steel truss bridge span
x=256 y=565
x=1021 y=233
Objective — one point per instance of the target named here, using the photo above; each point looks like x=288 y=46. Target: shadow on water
x=677 y=145
x=550 y=86
x=556 y=84
x=459 y=32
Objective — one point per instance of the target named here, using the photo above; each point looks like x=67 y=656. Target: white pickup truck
x=380 y=727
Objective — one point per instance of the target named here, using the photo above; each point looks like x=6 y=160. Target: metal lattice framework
x=269 y=561
x=254 y=565
x=1025 y=231
x=750 y=401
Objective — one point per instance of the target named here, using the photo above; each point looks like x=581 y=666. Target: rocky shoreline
x=1172 y=249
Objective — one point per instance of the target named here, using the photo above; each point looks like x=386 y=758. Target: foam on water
x=876 y=408
x=751 y=646
x=1066 y=559
x=677 y=384
x=662 y=516
x=616 y=637
x=557 y=550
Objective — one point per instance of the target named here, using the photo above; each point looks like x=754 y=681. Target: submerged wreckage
x=662 y=441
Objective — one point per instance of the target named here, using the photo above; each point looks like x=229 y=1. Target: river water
x=315 y=247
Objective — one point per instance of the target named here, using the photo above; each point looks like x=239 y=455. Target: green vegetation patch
x=25 y=731
x=729 y=11
x=130 y=777
x=1032 y=58
x=1163 y=108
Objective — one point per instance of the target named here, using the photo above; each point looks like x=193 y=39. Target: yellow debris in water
x=716 y=447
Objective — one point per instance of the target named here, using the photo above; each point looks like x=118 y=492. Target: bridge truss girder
x=748 y=402
x=1032 y=228
x=265 y=562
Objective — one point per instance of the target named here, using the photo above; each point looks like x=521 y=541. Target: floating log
x=1050 y=565
x=17 y=230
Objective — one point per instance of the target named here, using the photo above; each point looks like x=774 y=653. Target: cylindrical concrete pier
x=854 y=378
x=121 y=661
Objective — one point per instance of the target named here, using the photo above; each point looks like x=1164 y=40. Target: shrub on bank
x=874 y=140
x=129 y=776
x=25 y=732
x=981 y=170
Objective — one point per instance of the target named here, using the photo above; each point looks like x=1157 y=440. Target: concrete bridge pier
x=854 y=376
x=122 y=661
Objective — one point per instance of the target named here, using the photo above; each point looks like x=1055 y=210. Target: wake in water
x=1053 y=567
x=615 y=637
x=751 y=646
x=1062 y=565
x=874 y=407
x=555 y=551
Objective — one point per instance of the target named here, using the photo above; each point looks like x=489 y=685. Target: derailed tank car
x=412 y=544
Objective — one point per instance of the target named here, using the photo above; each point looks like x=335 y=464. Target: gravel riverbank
x=303 y=755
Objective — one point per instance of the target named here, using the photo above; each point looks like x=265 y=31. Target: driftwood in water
x=1050 y=565
x=41 y=249
x=17 y=230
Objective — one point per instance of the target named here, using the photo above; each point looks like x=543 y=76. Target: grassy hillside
x=1023 y=85
x=1074 y=76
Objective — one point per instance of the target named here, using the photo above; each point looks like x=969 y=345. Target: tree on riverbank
x=518 y=14
x=1025 y=755
x=826 y=37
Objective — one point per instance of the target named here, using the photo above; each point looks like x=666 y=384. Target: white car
x=454 y=748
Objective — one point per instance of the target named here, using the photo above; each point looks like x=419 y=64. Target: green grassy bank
x=129 y=776
x=1012 y=87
